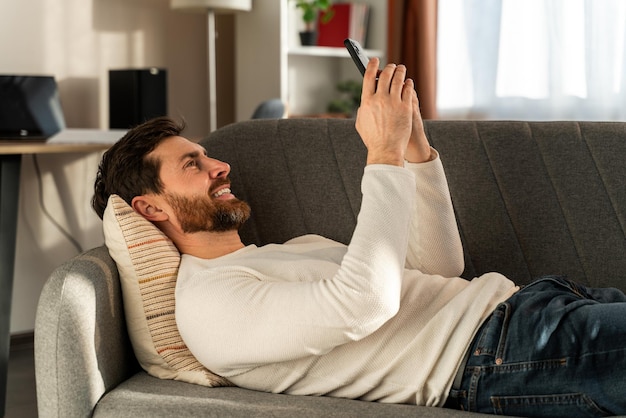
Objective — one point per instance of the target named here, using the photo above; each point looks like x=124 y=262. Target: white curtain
x=532 y=59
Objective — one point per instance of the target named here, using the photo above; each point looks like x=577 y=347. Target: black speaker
x=136 y=96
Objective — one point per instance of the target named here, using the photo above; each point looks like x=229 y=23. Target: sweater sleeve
x=434 y=245
x=254 y=320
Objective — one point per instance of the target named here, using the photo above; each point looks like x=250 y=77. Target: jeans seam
x=472 y=392
x=543 y=400
x=524 y=366
x=503 y=332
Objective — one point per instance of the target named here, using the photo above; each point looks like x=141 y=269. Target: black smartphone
x=356 y=52
x=358 y=56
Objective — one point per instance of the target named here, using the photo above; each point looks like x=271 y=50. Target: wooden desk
x=32 y=147
x=10 y=162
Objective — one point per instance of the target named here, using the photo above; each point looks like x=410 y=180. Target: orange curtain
x=412 y=41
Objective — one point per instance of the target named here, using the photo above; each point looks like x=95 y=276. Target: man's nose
x=218 y=169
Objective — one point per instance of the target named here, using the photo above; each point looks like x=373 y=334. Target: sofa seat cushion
x=145 y=396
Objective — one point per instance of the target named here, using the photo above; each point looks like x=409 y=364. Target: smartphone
x=358 y=56
x=356 y=52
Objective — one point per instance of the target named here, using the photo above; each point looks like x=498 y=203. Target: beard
x=206 y=214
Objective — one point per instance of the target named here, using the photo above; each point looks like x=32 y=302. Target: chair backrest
x=269 y=109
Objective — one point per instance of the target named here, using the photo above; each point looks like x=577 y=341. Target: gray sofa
x=531 y=199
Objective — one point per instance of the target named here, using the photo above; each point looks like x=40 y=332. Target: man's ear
x=149 y=208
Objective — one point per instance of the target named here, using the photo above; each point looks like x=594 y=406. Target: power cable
x=45 y=211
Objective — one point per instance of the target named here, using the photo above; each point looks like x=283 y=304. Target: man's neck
x=209 y=245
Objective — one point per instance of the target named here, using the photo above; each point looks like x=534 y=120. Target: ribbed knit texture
x=316 y=317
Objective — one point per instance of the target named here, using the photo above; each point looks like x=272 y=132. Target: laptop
x=30 y=110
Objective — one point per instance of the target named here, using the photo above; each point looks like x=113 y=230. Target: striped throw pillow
x=148 y=266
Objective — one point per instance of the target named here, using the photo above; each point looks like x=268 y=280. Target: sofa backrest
x=300 y=176
x=531 y=198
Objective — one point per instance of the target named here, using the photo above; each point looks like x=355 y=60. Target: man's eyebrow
x=192 y=154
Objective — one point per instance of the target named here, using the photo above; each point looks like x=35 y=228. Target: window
x=532 y=59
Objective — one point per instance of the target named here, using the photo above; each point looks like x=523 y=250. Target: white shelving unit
x=271 y=62
x=327 y=51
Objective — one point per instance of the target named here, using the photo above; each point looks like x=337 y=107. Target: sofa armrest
x=81 y=344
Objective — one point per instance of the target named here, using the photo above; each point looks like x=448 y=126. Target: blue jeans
x=554 y=349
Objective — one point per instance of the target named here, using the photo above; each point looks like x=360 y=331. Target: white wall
x=78 y=41
x=258 y=55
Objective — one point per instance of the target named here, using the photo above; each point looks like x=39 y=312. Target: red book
x=349 y=20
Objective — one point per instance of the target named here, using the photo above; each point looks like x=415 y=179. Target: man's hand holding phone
x=385 y=117
x=417 y=149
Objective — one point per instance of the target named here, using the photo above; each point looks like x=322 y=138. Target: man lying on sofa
x=385 y=318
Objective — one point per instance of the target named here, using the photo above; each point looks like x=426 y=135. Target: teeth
x=222 y=191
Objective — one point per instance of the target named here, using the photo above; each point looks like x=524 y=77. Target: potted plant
x=310 y=10
x=350 y=100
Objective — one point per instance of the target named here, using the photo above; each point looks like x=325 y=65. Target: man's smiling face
x=197 y=188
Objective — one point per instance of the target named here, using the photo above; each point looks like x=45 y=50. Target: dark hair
x=125 y=169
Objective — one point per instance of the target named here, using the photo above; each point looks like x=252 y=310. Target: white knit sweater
x=383 y=319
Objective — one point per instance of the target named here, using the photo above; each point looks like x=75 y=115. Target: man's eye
x=191 y=163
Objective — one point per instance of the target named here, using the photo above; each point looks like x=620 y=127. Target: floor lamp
x=212 y=7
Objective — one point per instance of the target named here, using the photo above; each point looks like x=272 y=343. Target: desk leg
x=9 y=193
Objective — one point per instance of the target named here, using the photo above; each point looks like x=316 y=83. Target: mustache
x=219 y=183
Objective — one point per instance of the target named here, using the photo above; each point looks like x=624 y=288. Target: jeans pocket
x=559 y=405
x=492 y=335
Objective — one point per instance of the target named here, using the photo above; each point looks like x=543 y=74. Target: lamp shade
x=218 y=6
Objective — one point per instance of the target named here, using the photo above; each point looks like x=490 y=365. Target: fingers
x=396 y=88
x=408 y=91
x=418 y=149
x=390 y=79
x=391 y=76
x=369 y=78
